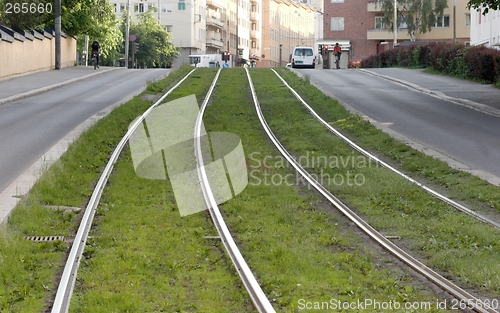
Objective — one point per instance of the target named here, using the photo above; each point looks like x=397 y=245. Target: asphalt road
x=31 y=126
x=460 y=133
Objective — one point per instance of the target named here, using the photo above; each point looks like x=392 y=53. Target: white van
x=303 y=57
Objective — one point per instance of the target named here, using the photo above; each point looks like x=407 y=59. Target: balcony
x=254 y=16
x=255 y=51
x=215 y=43
x=214 y=22
x=255 y=34
x=375 y=6
x=386 y=34
x=217 y=4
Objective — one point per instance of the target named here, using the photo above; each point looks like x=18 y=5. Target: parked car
x=303 y=57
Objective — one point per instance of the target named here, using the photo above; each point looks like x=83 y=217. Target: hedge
x=455 y=59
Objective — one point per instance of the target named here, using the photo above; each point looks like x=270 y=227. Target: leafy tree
x=419 y=15
x=95 y=18
x=153 y=40
x=486 y=4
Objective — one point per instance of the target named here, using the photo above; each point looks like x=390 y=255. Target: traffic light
x=325 y=48
x=320 y=49
x=135 y=47
x=226 y=56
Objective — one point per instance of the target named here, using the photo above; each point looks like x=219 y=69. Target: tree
x=153 y=40
x=418 y=15
x=95 y=18
x=485 y=4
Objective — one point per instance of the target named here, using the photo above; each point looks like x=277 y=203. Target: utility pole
x=58 y=33
x=280 y=53
x=237 y=34
x=395 y=24
x=127 y=33
x=454 y=21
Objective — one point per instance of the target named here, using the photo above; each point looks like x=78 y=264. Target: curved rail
x=421 y=268
x=256 y=294
x=371 y=156
x=68 y=278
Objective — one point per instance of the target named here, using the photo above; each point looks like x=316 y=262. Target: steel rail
x=388 y=166
x=260 y=301
x=68 y=278
x=459 y=293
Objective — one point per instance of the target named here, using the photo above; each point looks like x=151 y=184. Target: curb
x=463 y=102
x=54 y=86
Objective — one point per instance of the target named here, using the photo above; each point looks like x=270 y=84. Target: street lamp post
x=127 y=33
x=280 y=54
x=395 y=24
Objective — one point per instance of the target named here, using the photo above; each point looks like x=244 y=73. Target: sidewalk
x=477 y=96
x=19 y=87
x=15 y=88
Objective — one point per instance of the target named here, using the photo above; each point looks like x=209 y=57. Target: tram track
x=258 y=297
x=67 y=282
x=470 y=301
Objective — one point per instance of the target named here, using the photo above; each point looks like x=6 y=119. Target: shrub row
x=456 y=59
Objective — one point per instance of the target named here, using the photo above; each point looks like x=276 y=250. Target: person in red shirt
x=336 y=52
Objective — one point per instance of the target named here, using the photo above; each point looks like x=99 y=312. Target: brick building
x=357 y=25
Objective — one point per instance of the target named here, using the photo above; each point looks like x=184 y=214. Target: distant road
x=465 y=135
x=31 y=126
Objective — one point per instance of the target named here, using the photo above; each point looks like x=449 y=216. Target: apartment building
x=485 y=29
x=285 y=25
x=253 y=30
x=358 y=26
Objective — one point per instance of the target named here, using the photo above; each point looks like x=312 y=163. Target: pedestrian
x=96 y=51
x=337 y=51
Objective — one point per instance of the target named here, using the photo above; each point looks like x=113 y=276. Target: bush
x=455 y=59
x=483 y=63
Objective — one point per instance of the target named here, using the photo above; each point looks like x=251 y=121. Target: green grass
x=28 y=270
x=449 y=240
x=298 y=250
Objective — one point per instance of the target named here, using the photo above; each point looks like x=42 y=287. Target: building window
x=379 y=23
x=139 y=7
x=167 y=7
x=123 y=7
x=467 y=19
x=336 y=23
x=442 y=21
x=153 y=7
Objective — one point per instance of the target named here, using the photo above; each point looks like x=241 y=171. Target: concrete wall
x=24 y=53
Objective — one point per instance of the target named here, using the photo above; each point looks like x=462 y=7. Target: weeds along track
x=68 y=279
x=463 y=296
